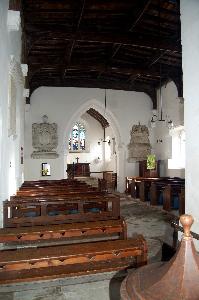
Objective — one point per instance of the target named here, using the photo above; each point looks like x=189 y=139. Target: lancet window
x=77 y=139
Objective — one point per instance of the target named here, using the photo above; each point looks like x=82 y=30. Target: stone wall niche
x=44 y=139
x=139 y=146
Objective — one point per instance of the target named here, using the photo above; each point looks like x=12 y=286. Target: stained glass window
x=77 y=138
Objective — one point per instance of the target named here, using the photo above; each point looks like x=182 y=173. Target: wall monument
x=44 y=139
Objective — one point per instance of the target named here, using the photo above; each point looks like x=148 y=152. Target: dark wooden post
x=142 y=193
x=167 y=196
x=133 y=189
x=153 y=194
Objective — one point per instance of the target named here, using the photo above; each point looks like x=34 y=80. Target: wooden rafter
x=102 y=44
x=97 y=116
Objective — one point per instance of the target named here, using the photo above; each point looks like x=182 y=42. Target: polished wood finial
x=186 y=221
x=176 y=279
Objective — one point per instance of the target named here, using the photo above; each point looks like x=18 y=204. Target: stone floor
x=152 y=222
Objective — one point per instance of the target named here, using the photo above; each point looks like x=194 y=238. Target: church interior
x=99 y=156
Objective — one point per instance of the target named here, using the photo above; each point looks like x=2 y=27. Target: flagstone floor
x=152 y=222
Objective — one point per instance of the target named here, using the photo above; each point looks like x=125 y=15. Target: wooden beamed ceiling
x=111 y=44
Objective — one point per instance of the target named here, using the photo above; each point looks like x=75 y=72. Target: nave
x=88 y=87
x=141 y=219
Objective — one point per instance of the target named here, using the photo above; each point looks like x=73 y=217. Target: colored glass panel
x=77 y=138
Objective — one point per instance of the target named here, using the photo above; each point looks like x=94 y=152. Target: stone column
x=190 y=64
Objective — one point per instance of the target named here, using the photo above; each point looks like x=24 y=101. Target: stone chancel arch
x=93 y=103
x=109 y=116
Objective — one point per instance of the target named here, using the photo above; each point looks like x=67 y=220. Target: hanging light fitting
x=158 y=116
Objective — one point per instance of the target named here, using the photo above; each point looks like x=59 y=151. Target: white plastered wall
x=174 y=109
x=11 y=170
x=190 y=64
x=66 y=105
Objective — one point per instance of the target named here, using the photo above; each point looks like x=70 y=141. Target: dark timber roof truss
x=105 y=44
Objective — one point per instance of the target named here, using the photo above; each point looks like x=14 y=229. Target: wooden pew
x=158 y=187
x=53 y=182
x=54 y=187
x=108 y=228
x=134 y=188
x=57 y=192
x=60 y=207
x=57 y=186
x=102 y=185
x=139 y=185
x=169 y=192
x=143 y=186
x=22 y=265
x=131 y=186
x=54 y=197
x=26 y=264
x=40 y=209
x=110 y=179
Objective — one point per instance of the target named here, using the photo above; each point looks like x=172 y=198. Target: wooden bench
x=54 y=187
x=174 y=190
x=132 y=184
x=139 y=187
x=56 y=208
x=158 y=187
x=56 y=192
x=108 y=228
x=64 y=182
x=57 y=186
x=38 y=212
x=57 y=198
x=61 y=197
x=139 y=184
x=128 y=181
x=22 y=265
x=143 y=186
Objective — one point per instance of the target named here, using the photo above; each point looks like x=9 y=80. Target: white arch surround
x=15 y=123
x=93 y=103
x=98 y=106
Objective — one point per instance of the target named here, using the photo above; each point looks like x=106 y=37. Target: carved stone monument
x=139 y=146
x=44 y=139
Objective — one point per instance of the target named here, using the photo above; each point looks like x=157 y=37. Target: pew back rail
x=41 y=211
x=64 y=232
x=54 y=262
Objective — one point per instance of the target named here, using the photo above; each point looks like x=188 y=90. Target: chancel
x=98 y=127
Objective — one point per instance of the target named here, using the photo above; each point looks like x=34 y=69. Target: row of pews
x=165 y=191
x=62 y=228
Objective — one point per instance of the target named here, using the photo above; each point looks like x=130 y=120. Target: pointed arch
x=95 y=104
